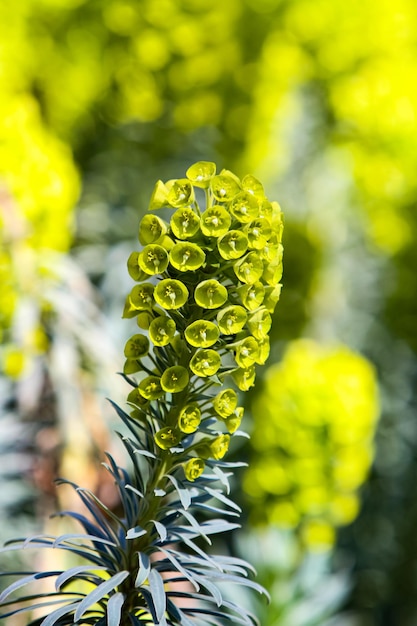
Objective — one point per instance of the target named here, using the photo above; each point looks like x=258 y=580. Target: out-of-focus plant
x=38 y=187
x=207 y=283
x=313 y=447
x=357 y=93
x=305 y=590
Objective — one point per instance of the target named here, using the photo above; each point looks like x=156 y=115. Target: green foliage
x=178 y=431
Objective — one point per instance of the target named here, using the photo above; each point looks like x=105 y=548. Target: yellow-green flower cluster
x=207 y=284
x=313 y=440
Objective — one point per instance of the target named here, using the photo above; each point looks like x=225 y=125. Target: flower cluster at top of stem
x=207 y=281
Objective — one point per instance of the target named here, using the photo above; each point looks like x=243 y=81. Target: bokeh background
x=318 y=99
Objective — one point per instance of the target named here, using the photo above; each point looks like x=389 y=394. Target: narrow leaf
x=134 y=533
x=53 y=617
x=99 y=592
x=156 y=585
x=160 y=529
x=22 y=582
x=144 y=569
x=114 y=609
x=220 y=496
x=184 y=494
x=75 y=571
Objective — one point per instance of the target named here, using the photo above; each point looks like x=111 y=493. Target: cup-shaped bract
x=131 y=366
x=250 y=268
x=150 y=388
x=135 y=397
x=232 y=245
x=162 y=330
x=244 y=207
x=272 y=250
x=202 y=334
x=186 y=256
x=159 y=196
x=259 y=323
x=168 y=437
x=141 y=297
x=185 y=223
x=175 y=379
x=272 y=295
x=210 y=294
x=219 y=446
x=201 y=173
x=225 y=186
x=253 y=186
x=205 y=362
x=273 y=272
x=215 y=221
x=153 y=259
x=171 y=294
x=133 y=267
x=193 y=468
x=258 y=233
x=231 y=319
x=151 y=228
x=247 y=352
x=252 y=295
x=189 y=418
x=244 y=377
x=225 y=402
x=264 y=349
x=233 y=421
x=181 y=193
x=136 y=347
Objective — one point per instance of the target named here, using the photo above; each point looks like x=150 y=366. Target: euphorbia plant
x=207 y=283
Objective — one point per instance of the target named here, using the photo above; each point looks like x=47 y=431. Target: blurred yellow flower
x=313 y=440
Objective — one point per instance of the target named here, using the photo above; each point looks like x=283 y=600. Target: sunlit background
x=318 y=99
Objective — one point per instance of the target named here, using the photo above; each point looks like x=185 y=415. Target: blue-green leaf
x=144 y=569
x=114 y=609
x=75 y=571
x=156 y=585
x=53 y=617
x=134 y=533
x=99 y=592
x=160 y=529
x=22 y=582
x=220 y=496
x=183 y=493
x=175 y=562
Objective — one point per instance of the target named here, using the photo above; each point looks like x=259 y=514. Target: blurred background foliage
x=99 y=98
